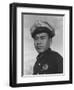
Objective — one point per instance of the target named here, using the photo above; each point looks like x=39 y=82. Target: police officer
x=48 y=61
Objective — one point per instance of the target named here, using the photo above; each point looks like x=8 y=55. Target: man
x=48 y=61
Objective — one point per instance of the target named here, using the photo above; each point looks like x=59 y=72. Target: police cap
x=42 y=26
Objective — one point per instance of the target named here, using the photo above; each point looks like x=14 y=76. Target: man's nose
x=39 y=41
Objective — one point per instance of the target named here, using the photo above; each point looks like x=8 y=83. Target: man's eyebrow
x=42 y=36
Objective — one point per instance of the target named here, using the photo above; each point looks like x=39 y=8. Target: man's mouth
x=39 y=47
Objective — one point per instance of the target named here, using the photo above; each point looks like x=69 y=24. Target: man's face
x=41 y=42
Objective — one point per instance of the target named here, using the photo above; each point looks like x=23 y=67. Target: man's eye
x=42 y=37
x=36 y=38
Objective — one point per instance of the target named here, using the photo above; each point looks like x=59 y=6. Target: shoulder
x=58 y=57
x=56 y=54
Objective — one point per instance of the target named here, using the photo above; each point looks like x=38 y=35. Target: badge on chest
x=44 y=67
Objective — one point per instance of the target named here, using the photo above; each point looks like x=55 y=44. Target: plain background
x=4 y=44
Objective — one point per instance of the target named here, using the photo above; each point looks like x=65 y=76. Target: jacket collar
x=44 y=53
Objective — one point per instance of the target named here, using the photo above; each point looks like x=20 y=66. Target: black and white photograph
x=40 y=44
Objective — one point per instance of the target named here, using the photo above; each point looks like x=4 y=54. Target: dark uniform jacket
x=48 y=62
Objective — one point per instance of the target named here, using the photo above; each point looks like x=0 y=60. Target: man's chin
x=40 y=50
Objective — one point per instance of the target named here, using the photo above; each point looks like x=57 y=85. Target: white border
x=44 y=78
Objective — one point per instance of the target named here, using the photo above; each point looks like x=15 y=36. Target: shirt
x=48 y=62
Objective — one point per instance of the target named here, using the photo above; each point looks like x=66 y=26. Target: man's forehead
x=41 y=34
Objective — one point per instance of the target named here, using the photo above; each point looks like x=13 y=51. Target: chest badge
x=45 y=67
